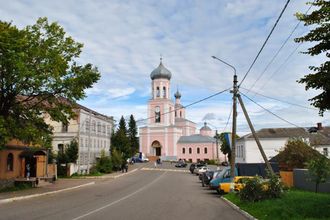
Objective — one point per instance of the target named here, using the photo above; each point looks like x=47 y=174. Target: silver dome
x=161 y=72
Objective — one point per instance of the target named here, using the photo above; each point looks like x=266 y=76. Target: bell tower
x=160 y=106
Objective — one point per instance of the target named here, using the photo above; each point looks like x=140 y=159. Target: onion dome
x=177 y=95
x=206 y=128
x=161 y=72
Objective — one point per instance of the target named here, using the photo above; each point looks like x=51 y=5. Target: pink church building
x=168 y=134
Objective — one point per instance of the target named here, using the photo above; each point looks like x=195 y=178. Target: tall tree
x=39 y=75
x=132 y=132
x=225 y=147
x=319 y=79
x=71 y=151
x=120 y=140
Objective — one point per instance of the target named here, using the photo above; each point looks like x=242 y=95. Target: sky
x=125 y=40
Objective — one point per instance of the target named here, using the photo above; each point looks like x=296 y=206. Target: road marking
x=161 y=169
x=119 y=200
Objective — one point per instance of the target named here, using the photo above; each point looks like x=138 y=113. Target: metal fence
x=302 y=180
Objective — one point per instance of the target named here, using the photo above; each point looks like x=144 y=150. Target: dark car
x=206 y=177
x=181 y=163
x=196 y=165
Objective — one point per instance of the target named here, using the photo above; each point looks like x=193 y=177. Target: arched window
x=180 y=114
x=183 y=150
x=198 y=150
x=164 y=92
x=10 y=162
x=158 y=92
x=157 y=114
x=205 y=150
x=190 y=150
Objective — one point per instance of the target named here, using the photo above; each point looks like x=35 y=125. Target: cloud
x=209 y=116
x=124 y=39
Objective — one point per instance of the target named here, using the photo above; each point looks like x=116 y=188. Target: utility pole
x=233 y=137
x=269 y=167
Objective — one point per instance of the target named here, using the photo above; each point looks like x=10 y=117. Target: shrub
x=319 y=170
x=104 y=164
x=116 y=160
x=252 y=190
x=273 y=187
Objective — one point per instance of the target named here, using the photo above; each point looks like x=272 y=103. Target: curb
x=238 y=209
x=165 y=169
x=3 y=201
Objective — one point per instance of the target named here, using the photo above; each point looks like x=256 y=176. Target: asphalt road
x=144 y=194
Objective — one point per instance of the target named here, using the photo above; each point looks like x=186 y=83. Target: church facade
x=168 y=134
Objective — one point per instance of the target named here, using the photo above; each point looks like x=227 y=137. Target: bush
x=252 y=190
x=116 y=160
x=257 y=189
x=211 y=162
x=104 y=165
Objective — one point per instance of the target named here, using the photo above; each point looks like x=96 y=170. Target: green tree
x=104 y=164
x=296 y=154
x=39 y=76
x=319 y=169
x=319 y=79
x=225 y=147
x=116 y=159
x=120 y=140
x=71 y=152
x=132 y=132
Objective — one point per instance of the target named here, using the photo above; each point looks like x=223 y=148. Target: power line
x=279 y=117
x=255 y=59
x=186 y=106
x=278 y=51
x=290 y=103
x=280 y=67
x=229 y=116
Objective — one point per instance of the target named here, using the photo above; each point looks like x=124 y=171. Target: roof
x=177 y=95
x=205 y=127
x=161 y=72
x=318 y=138
x=183 y=120
x=196 y=138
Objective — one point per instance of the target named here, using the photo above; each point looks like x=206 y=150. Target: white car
x=200 y=170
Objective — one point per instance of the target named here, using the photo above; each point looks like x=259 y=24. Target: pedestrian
x=126 y=167
x=155 y=164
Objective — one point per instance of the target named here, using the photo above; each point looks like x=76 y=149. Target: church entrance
x=157 y=148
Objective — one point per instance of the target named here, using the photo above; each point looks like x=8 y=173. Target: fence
x=302 y=180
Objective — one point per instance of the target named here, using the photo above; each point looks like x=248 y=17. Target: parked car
x=200 y=170
x=139 y=158
x=238 y=184
x=194 y=165
x=208 y=176
x=181 y=163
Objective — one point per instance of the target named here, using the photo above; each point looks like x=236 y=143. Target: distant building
x=92 y=131
x=168 y=134
x=274 y=139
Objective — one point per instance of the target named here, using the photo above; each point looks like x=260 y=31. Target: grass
x=294 y=204
x=16 y=188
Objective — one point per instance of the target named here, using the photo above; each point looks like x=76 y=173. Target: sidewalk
x=60 y=185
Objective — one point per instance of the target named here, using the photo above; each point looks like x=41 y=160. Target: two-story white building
x=92 y=131
x=274 y=139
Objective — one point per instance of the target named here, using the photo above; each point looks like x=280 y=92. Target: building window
x=103 y=129
x=183 y=150
x=180 y=114
x=175 y=113
x=99 y=127
x=190 y=151
x=64 y=128
x=108 y=129
x=60 y=148
x=81 y=143
x=10 y=162
x=157 y=114
x=158 y=92
x=164 y=92
x=325 y=152
x=205 y=150
x=87 y=125
x=93 y=125
x=198 y=150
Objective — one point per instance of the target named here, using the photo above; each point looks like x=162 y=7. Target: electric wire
x=229 y=116
x=186 y=106
x=290 y=103
x=278 y=51
x=264 y=44
x=277 y=116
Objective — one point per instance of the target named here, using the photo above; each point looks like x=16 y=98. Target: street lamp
x=233 y=138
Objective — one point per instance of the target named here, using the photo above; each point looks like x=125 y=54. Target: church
x=168 y=134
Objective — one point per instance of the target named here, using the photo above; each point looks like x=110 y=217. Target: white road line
x=119 y=200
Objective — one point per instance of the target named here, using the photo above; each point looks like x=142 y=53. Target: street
x=144 y=194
